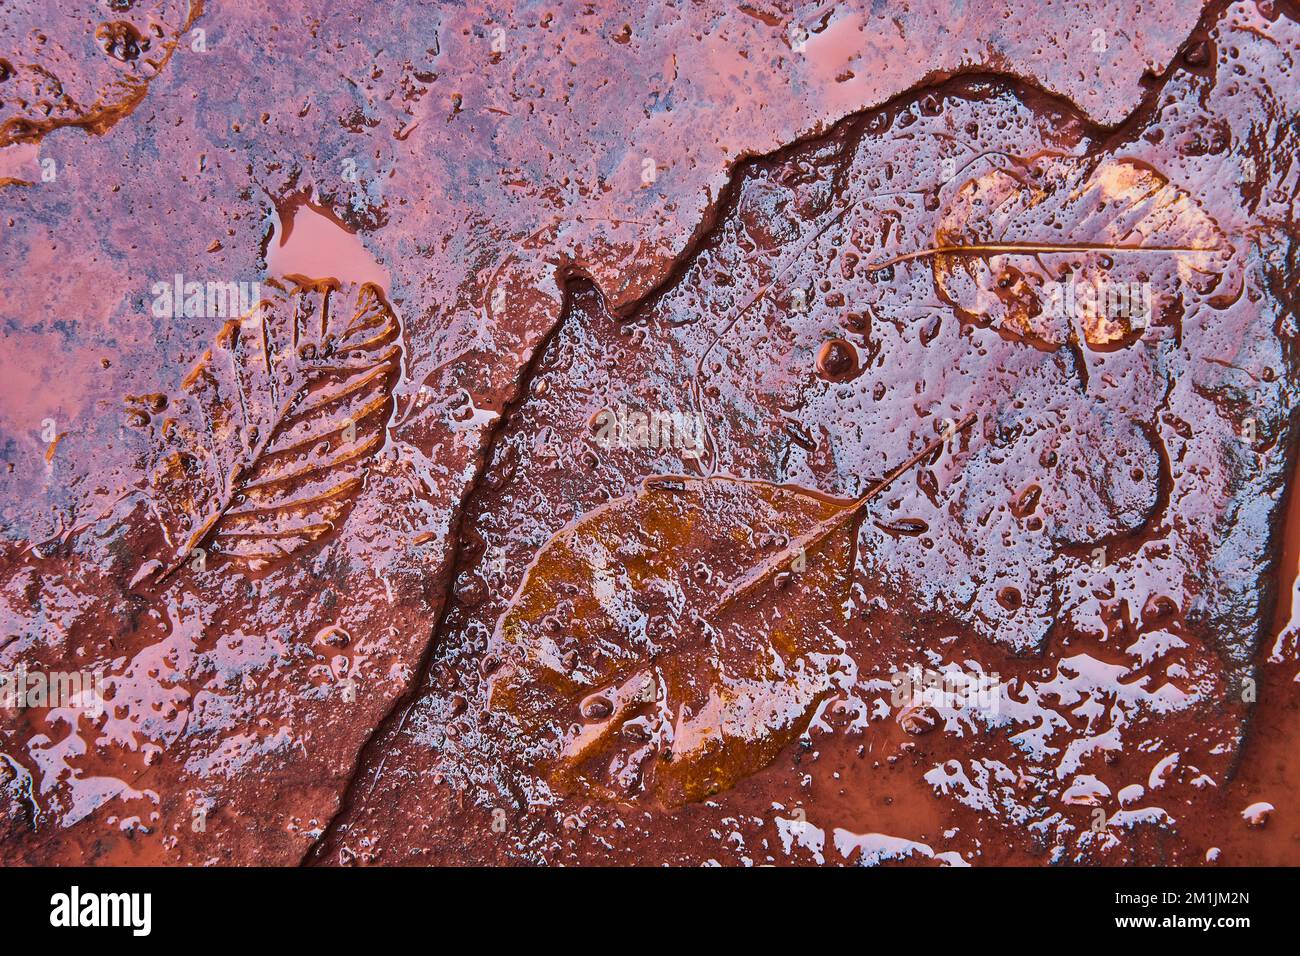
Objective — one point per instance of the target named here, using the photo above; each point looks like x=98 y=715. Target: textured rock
x=560 y=205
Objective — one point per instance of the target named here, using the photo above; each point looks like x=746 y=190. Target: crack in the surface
x=1101 y=135
x=406 y=701
x=1102 y=138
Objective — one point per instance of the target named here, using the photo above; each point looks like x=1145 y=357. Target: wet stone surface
x=644 y=425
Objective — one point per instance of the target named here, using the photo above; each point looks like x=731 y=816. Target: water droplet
x=837 y=360
x=596 y=707
x=903 y=527
x=1010 y=598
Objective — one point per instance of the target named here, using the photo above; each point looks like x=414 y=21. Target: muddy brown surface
x=367 y=577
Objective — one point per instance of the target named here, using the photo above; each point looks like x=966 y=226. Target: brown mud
x=365 y=578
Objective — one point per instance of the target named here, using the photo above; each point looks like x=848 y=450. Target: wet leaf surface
x=679 y=637
x=619 y=666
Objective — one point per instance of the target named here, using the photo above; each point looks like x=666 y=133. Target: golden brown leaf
x=616 y=668
x=672 y=641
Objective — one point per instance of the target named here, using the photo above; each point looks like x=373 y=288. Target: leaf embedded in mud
x=1061 y=249
x=266 y=450
x=619 y=666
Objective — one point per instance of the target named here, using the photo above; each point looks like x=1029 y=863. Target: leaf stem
x=929 y=449
x=1028 y=248
x=826 y=526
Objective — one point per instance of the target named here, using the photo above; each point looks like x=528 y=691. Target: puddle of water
x=20 y=163
x=833 y=50
x=309 y=240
